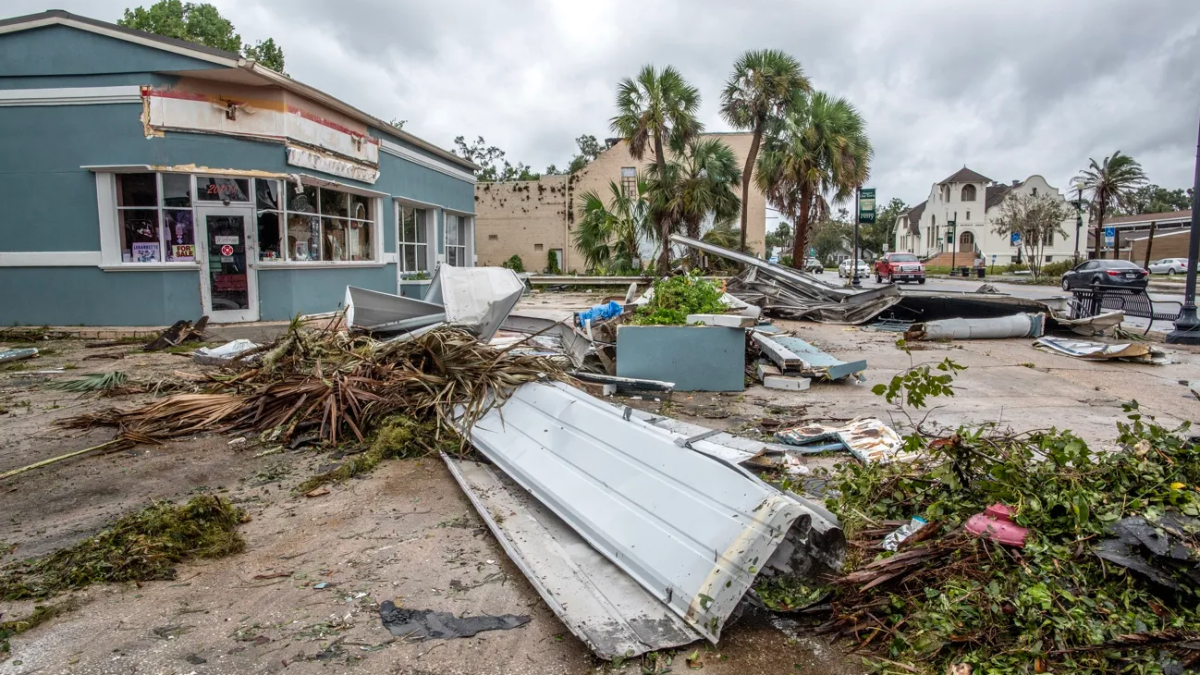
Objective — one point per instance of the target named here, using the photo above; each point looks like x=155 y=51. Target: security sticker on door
x=219 y=240
x=226 y=250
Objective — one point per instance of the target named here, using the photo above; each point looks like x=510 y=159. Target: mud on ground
x=304 y=596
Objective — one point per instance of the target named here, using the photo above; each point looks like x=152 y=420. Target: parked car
x=894 y=267
x=864 y=270
x=1169 y=266
x=813 y=266
x=1093 y=273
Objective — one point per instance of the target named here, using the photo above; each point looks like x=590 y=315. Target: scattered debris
x=178 y=333
x=428 y=624
x=376 y=311
x=626 y=384
x=598 y=313
x=317 y=492
x=1098 y=351
x=996 y=523
x=1015 y=326
x=787 y=383
x=596 y=601
x=1163 y=550
x=224 y=355
x=141 y=546
x=724 y=320
x=869 y=440
x=893 y=540
x=813 y=362
x=477 y=299
x=94 y=382
x=695 y=358
x=632 y=493
x=18 y=354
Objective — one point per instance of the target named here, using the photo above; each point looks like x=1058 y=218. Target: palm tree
x=1110 y=183
x=612 y=232
x=657 y=108
x=762 y=85
x=818 y=148
x=699 y=184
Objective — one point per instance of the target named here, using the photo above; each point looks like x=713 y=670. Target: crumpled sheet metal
x=869 y=440
x=1015 y=326
x=478 y=298
x=595 y=600
x=1165 y=551
x=1099 y=351
x=1092 y=325
x=792 y=294
x=691 y=530
x=375 y=310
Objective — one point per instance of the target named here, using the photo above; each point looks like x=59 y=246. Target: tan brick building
x=531 y=218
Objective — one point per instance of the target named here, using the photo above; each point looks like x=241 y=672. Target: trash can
x=964 y=271
x=980 y=272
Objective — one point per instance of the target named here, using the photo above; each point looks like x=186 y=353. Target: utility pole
x=1187 y=324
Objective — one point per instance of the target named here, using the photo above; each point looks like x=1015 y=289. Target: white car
x=864 y=270
x=1169 y=266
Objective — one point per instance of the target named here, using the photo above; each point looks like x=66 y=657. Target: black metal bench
x=1096 y=300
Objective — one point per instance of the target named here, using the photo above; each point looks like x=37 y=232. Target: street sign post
x=866 y=206
x=1015 y=239
x=1110 y=236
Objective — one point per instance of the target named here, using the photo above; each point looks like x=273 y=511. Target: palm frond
x=95 y=382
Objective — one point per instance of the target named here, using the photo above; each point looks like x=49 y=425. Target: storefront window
x=414 y=243
x=155 y=218
x=215 y=189
x=322 y=224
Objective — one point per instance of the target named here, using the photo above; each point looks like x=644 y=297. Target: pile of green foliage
x=514 y=263
x=397 y=437
x=676 y=297
x=1056 y=269
x=142 y=546
x=1052 y=606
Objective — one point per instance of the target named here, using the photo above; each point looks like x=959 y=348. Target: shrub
x=1057 y=268
x=552 y=263
x=676 y=297
x=515 y=263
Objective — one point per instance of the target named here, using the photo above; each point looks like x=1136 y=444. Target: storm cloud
x=1010 y=88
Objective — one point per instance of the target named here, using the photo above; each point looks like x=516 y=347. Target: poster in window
x=145 y=252
x=183 y=252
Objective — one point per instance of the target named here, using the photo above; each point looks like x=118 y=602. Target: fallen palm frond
x=95 y=382
x=142 y=546
x=1064 y=602
x=341 y=387
x=114 y=444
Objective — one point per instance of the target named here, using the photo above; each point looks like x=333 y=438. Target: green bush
x=515 y=263
x=552 y=263
x=676 y=297
x=1057 y=268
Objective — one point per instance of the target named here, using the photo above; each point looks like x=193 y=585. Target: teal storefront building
x=145 y=179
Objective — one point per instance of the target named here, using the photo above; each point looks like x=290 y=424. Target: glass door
x=228 y=281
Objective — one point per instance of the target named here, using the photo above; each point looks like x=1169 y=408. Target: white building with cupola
x=972 y=201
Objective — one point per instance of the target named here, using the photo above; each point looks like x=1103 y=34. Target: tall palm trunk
x=798 y=247
x=664 y=258
x=746 y=173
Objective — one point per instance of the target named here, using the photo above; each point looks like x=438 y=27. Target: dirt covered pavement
x=304 y=595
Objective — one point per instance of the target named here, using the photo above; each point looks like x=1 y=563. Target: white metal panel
x=596 y=601
x=690 y=530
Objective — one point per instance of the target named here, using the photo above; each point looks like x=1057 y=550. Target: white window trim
x=110 y=233
x=430 y=225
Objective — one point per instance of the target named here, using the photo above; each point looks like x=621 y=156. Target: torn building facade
x=531 y=219
x=154 y=179
x=973 y=201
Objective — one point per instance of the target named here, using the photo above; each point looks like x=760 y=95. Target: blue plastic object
x=599 y=313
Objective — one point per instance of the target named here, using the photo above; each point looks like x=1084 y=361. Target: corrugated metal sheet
x=595 y=600
x=682 y=524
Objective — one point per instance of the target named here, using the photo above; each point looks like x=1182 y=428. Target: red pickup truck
x=895 y=267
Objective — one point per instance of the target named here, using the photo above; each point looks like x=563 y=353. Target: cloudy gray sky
x=1008 y=88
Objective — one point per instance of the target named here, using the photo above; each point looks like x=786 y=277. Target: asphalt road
x=1018 y=290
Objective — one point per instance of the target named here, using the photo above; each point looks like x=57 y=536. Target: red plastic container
x=995 y=523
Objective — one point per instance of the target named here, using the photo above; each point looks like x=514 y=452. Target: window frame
x=962 y=196
x=286 y=261
x=430 y=217
x=629 y=182
x=467 y=247
x=111 y=222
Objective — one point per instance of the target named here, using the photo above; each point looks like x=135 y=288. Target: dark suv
x=1106 y=273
